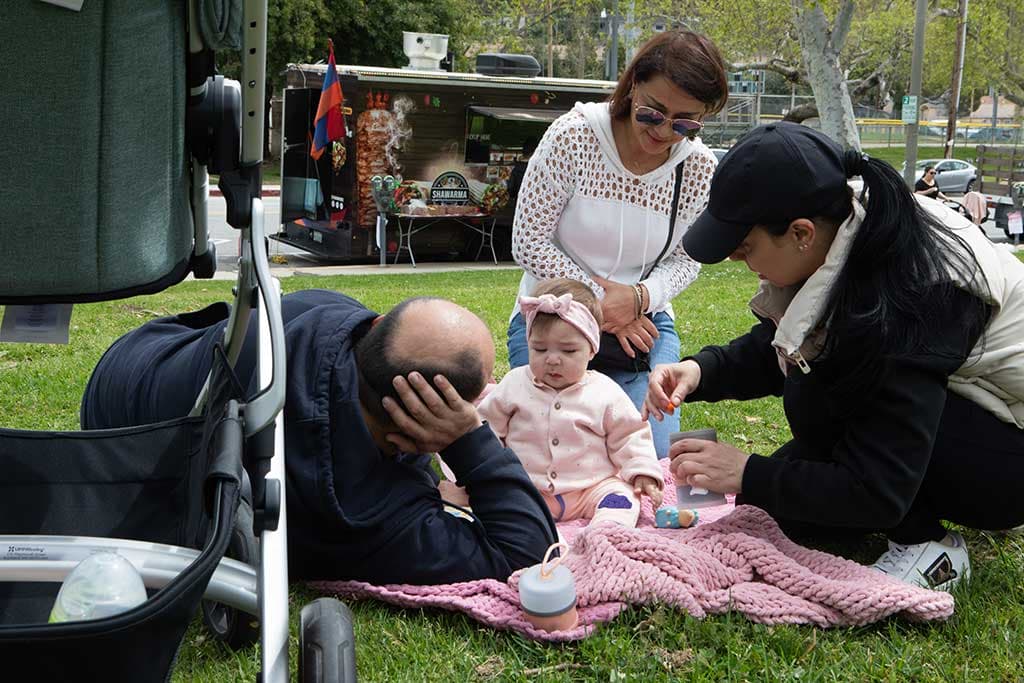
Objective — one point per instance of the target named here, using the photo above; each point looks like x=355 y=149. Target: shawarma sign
x=449 y=188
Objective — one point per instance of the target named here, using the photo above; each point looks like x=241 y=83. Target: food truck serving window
x=545 y=116
x=501 y=130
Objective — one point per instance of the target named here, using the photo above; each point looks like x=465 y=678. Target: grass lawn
x=896 y=155
x=980 y=643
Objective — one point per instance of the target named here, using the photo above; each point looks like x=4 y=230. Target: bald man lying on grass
x=369 y=398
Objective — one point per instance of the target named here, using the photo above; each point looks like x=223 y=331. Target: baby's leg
x=613 y=500
x=557 y=506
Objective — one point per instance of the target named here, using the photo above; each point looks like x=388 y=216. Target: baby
x=578 y=435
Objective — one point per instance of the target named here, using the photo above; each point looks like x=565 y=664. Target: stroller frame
x=261 y=591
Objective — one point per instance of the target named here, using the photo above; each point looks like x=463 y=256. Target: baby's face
x=559 y=354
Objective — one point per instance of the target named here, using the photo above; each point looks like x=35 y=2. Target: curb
x=268 y=191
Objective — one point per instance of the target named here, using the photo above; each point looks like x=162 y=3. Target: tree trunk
x=820 y=47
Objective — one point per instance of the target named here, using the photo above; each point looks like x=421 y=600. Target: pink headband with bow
x=572 y=312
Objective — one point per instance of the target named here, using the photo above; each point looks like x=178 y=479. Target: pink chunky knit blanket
x=733 y=560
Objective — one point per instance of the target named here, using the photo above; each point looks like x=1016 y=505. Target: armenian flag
x=329 y=124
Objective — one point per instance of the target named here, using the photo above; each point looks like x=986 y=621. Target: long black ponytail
x=901 y=262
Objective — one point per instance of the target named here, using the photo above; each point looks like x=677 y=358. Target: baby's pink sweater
x=572 y=439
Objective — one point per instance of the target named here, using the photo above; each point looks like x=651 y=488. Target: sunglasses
x=649 y=116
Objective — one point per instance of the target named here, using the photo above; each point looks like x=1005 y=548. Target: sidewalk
x=268 y=191
x=288 y=270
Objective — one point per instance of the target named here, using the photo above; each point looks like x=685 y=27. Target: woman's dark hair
x=691 y=61
x=902 y=263
x=928 y=168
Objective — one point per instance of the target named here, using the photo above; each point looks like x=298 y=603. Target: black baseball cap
x=774 y=174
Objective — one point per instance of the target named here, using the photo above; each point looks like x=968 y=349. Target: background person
x=891 y=331
x=515 y=178
x=927 y=187
x=595 y=202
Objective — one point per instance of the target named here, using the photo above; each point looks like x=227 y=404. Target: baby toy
x=669 y=517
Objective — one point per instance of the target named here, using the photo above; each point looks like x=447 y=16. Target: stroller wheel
x=327 y=645
x=233 y=627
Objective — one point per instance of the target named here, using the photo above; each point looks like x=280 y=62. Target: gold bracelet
x=639 y=302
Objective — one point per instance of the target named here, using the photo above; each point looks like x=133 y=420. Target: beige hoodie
x=992 y=376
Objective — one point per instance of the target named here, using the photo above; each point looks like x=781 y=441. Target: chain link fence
x=875 y=127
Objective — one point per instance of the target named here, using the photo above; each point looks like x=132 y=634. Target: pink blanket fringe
x=736 y=559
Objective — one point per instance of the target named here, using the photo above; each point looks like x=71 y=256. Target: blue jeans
x=666 y=350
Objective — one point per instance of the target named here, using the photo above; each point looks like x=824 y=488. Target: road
x=226 y=237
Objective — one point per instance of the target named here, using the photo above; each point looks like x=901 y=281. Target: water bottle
x=547 y=593
x=101 y=585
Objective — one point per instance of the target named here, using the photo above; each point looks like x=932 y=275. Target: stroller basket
x=140 y=483
x=108 y=149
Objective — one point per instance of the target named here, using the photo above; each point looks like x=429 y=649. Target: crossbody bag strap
x=671 y=219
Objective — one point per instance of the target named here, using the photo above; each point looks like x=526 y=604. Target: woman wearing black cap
x=894 y=333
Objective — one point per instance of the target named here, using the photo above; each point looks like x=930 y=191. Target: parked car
x=719 y=152
x=992 y=135
x=951 y=175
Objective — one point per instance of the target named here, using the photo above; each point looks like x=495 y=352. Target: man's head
x=427 y=335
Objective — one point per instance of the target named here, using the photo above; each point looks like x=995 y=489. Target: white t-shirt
x=581 y=212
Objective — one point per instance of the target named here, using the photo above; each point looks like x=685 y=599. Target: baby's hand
x=650 y=487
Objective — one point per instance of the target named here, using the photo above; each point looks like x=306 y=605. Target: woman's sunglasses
x=652 y=117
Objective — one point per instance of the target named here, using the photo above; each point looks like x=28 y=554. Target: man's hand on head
x=430 y=421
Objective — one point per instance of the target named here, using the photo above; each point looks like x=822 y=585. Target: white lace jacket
x=581 y=212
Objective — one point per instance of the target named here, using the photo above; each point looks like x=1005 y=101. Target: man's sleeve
x=745 y=368
x=509 y=527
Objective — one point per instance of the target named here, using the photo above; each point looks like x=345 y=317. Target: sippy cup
x=547 y=594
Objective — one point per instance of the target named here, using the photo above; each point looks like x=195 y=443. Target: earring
x=802 y=247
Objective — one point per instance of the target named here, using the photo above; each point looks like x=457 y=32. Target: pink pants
x=611 y=500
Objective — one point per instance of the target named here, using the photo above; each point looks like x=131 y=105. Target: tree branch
x=556 y=8
x=793 y=74
x=802 y=112
x=841 y=27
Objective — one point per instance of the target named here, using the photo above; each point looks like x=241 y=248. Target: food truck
x=448 y=140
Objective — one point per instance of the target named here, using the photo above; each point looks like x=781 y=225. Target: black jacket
x=851 y=463
x=353 y=512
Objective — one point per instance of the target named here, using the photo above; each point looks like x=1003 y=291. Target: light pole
x=613 y=58
x=958 y=78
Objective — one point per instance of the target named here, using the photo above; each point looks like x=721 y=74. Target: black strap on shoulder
x=671 y=218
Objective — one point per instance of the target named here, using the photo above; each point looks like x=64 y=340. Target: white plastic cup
x=694 y=497
x=101 y=585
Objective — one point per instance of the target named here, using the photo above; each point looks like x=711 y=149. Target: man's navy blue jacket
x=353 y=512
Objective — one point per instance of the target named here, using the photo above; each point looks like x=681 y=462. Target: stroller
x=115 y=117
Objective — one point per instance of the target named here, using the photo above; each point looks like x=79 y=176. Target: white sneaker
x=938 y=565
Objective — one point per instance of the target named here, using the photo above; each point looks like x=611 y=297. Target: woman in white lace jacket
x=595 y=202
